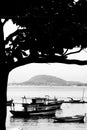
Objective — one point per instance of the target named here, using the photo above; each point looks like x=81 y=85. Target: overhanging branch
x=9 y=38
x=65 y=52
x=54 y=59
x=74 y=52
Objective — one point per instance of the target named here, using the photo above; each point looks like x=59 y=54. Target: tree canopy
x=47 y=31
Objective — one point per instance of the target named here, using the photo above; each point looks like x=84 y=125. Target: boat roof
x=39 y=98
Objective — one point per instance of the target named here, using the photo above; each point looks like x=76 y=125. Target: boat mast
x=83 y=94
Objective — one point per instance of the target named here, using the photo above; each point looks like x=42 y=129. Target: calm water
x=43 y=123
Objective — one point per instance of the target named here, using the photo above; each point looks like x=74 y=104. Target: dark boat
x=38 y=107
x=33 y=113
x=76 y=118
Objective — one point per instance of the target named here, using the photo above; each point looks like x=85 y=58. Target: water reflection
x=32 y=121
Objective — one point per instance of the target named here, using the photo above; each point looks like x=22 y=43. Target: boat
x=38 y=107
x=72 y=100
x=83 y=95
x=9 y=102
x=75 y=118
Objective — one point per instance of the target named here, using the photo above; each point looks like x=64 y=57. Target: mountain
x=49 y=80
x=44 y=80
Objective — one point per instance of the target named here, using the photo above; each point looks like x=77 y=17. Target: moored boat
x=75 y=118
x=38 y=107
x=33 y=113
x=72 y=100
x=75 y=100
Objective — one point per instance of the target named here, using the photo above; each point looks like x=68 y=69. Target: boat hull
x=70 y=119
x=32 y=113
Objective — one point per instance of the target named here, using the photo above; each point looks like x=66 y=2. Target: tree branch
x=74 y=52
x=54 y=59
x=65 y=52
x=9 y=38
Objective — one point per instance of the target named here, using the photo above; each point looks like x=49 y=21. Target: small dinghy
x=76 y=118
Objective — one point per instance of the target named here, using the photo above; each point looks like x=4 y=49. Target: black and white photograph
x=43 y=62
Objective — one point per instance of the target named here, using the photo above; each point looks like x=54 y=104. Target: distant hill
x=48 y=80
x=45 y=80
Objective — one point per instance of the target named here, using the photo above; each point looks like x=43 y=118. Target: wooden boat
x=33 y=113
x=76 y=118
x=38 y=107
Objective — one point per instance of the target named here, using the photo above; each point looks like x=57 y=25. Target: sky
x=64 y=71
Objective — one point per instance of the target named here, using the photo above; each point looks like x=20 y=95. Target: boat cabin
x=39 y=100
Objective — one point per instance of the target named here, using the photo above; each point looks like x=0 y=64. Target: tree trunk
x=3 y=97
x=3 y=80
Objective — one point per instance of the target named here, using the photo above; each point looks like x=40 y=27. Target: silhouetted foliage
x=49 y=28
